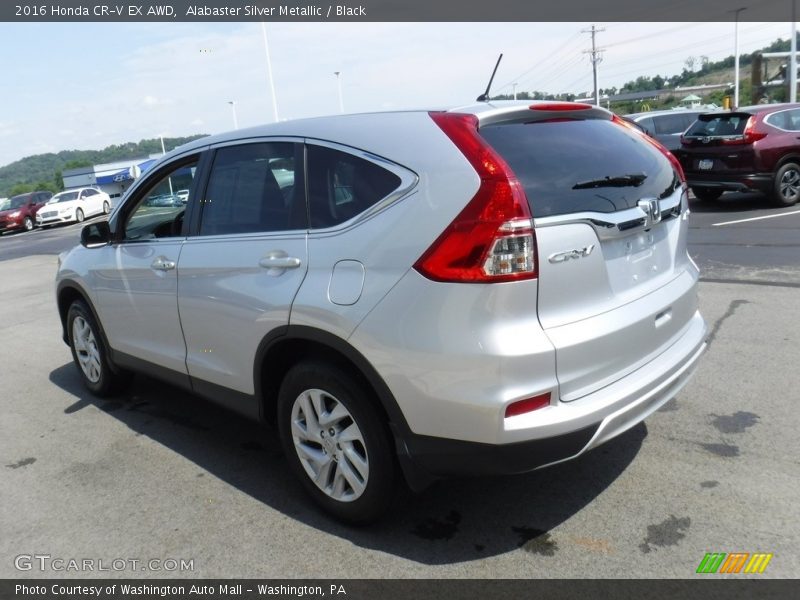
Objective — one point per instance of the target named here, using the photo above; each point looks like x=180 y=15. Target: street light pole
x=233 y=110
x=793 y=58
x=515 y=90
x=736 y=59
x=269 y=72
x=339 y=87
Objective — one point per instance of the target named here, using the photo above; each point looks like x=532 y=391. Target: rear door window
x=668 y=124
x=568 y=166
x=252 y=189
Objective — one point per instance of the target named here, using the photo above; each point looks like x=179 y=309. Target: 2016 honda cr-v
x=489 y=289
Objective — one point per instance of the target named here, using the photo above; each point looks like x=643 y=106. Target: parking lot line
x=794 y=212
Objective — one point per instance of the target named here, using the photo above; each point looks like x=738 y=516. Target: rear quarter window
x=341 y=185
x=554 y=160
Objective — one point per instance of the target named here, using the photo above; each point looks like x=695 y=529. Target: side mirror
x=96 y=235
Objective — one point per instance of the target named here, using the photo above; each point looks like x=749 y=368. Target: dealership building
x=112 y=178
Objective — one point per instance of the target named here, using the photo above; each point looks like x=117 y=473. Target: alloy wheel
x=86 y=349
x=790 y=184
x=330 y=445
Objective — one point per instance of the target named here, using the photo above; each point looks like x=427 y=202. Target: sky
x=89 y=85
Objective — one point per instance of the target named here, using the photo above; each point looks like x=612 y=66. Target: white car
x=73 y=205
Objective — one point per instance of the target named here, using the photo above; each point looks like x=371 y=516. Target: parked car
x=754 y=148
x=666 y=126
x=165 y=200
x=19 y=213
x=485 y=290
x=73 y=205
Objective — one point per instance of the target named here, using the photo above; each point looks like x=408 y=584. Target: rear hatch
x=717 y=144
x=616 y=287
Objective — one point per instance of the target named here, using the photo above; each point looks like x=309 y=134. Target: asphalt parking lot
x=160 y=474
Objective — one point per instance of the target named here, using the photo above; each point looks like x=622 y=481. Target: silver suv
x=490 y=289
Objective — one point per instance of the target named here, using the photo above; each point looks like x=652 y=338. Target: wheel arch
x=791 y=157
x=286 y=346
x=66 y=293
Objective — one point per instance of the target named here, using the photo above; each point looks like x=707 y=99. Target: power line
x=540 y=62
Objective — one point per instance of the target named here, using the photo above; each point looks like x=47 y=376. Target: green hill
x=43 y=171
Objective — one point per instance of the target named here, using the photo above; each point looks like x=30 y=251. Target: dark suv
x=20 y=212
x=666 y=126
x=754 y=148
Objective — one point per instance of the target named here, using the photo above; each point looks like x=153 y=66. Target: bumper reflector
x=528 y=405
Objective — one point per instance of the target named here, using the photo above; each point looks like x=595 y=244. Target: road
x=160 y=474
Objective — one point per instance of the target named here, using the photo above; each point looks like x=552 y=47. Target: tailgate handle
x=663 y=317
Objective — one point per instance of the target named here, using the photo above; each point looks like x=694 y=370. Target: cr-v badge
x=560 y=257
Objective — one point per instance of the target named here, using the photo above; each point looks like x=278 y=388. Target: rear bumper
x=728 y=182
x=590 y=422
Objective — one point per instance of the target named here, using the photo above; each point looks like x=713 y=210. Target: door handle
x=278 y=259
x=162 y=264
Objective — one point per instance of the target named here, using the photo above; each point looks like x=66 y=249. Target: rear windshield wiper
x=620 y=181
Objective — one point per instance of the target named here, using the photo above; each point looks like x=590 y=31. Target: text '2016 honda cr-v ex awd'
x=489 y=289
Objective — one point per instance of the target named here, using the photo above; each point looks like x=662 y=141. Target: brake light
x=491 y=239
x=521 y=407
x=669 y=155
x=750 y=133
x=557 y=106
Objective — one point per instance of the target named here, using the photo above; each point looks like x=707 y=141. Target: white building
x=112 y=178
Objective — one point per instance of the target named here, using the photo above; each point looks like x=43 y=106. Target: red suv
x=754 y=148
x=20 y=212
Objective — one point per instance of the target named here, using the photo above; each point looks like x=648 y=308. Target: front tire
x=79 y=215
x=90 y=353
x=706 y=194
x=336 y=441
x=106 y=208
x=787 y=185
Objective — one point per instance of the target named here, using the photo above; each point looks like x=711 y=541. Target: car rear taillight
x=491 y=239
x=750 y=133
x=669 y=155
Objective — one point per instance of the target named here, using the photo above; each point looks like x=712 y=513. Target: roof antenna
x=484 y=97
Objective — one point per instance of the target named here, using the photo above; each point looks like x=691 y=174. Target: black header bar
x=392 y=10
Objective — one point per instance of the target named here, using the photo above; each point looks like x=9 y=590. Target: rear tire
x=336 y=441
x=706 y=194
x=90 y=353
x=787 y=185
x=79 y=215
x=28 y=224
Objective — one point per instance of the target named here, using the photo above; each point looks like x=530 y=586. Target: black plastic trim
x=139 y=365
x=302 y=332
x=446 y=457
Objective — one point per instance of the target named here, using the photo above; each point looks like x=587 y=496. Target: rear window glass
x=716 y=125
x=569 y=166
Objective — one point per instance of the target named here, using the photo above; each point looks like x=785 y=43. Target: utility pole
x=595 y=58
x=736 y=58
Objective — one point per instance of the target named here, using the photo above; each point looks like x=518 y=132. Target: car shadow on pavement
x=732 y=202
x=453 y=521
